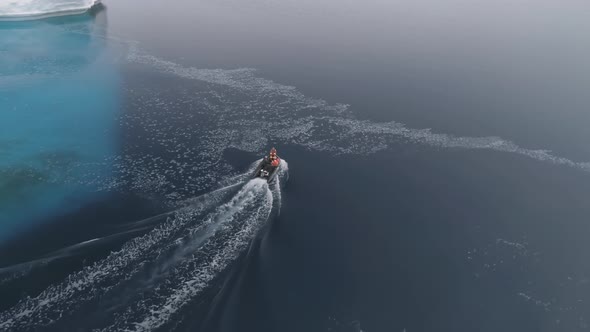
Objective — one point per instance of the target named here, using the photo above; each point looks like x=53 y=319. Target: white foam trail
x=426 y=136
x=195 y=273
x=281 y=113
x=224 y=214
x=242 y=79
x=281 y=178
x=231 y=184
x=20 y=270
x=37 y=9
x=184 y=253
x=97 y=279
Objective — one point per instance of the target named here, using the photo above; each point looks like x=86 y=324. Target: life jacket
x=275 y=162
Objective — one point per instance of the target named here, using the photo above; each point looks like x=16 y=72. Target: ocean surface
x=435 y=175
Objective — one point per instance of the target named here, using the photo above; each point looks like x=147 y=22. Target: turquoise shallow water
x=58 y=99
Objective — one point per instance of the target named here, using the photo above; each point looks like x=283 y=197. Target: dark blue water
x=129 y=135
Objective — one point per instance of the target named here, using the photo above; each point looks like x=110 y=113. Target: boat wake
x=297 y=119
x=144 y=285
x=37 y=9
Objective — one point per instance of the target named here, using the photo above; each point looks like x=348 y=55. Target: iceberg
x=36 y=9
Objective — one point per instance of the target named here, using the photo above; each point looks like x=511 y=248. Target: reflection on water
x=58 y=95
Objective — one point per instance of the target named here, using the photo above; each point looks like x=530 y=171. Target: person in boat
x=274 y=159
x=271 y=161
